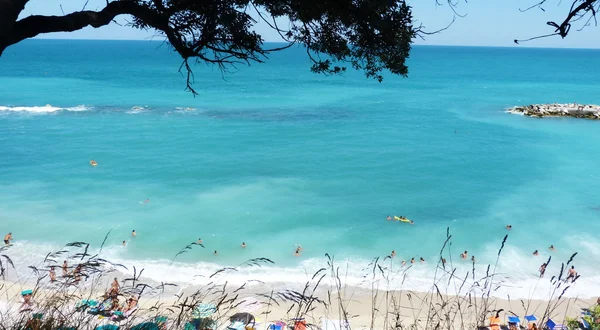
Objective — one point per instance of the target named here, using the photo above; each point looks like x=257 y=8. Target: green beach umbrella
x=204 y=310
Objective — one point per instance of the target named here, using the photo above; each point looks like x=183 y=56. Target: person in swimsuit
x=403 y=263
x=464 y=255
x=473 y=259
x=443 y=262
x=389 y=217
x=412 y=260
x=7 y=238
x=52 y=274
x=543 y=269
x=509 y=227
x=133 y=233
x=536 y=253
x=552 y=248
x=297 y=253
x=65 y=269
x=393 y=253
x=199 y=240
x=422 y=260
x=243 y=245
x=572 y=274
x=124 y=243
x=216 y=253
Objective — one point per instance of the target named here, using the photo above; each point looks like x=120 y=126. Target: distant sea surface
x=275 y=156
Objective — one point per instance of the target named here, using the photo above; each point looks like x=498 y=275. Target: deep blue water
x=275 y=156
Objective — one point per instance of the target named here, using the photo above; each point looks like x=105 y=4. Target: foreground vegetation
x=85 y=299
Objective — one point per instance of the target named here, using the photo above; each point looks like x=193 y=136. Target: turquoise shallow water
x=276 y=156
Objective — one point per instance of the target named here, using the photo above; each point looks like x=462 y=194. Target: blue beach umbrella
x=514 y=319
x=530 y=318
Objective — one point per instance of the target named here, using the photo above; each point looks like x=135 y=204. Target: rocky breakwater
x=575 y=110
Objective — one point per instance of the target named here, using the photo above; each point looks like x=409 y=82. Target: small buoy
x=93 y=162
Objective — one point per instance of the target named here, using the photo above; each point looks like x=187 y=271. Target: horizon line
x=413 y=44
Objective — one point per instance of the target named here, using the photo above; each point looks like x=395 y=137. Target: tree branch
x=32 y=26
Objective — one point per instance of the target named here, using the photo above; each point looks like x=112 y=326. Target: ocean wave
x=43 y=109
x=510 y=280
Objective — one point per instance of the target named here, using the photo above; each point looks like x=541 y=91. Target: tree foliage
x=368 y=35
x=373 y=36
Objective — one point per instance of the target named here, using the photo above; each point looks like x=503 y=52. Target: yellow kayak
x=401 y=219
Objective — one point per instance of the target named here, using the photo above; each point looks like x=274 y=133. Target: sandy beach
x=320 y=304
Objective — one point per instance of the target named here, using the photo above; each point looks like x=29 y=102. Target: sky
x=487 y=23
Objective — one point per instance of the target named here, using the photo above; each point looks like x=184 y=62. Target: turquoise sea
x=274 y=156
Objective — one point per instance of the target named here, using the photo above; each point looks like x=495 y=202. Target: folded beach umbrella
x=203 y=310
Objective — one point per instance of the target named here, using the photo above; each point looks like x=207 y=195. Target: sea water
x=275 y=156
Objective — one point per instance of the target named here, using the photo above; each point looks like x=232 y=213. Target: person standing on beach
x=52 y=274
x=7 y=238
x=65 y=269
x=572 y=275
x=114 y=288
x=542 y=269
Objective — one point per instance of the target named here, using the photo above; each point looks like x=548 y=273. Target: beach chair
x=334 y=325
x=514 y=322
x=551 y=325
x=299 y=324
x=585 y=324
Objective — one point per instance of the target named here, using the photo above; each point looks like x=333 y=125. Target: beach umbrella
x=245 y=318
x=203 y=310
x=530 y=318
x=514 y=319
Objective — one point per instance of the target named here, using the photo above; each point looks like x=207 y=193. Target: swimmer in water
x=216 y=253
x=422 y=260
x=473 y=259
x=509 y=227
x=552 y=248
x=146 y=201
x=543 y=269
x=133 y=233
x=199 y=240
x=403 y=263
x=93 y=162
x=243 y=245
x=388 y=218
x=297 y=253
x=124 y=243
x=536 y=253
x=443 y=261
x=8 y=238
x=412 y=260
x=464 y=255
x=393 y=253
x=412 y=222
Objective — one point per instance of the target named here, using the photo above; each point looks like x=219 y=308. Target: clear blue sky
x=487 y=23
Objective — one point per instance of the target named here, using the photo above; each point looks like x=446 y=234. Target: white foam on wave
x=137 y=109
x=43 y=109
x=513 y=277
